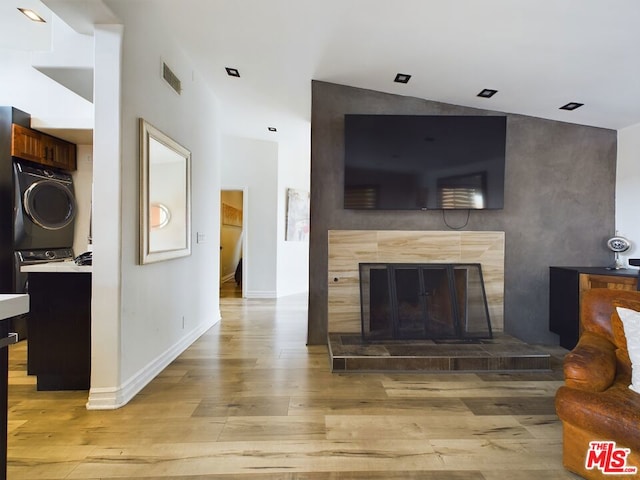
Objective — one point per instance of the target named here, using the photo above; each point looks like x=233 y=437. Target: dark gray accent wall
x=558 y=207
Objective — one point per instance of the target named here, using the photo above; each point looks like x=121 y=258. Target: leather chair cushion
x=598 y=305
x=591 y=365
x=611 y=415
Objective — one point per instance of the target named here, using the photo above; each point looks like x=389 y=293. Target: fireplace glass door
x=423 y=301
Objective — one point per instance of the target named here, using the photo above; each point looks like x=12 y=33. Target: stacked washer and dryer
x=37 y=206
x=44 y=213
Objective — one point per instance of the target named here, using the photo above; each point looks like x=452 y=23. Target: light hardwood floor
x=250 y=401
x=230 y=289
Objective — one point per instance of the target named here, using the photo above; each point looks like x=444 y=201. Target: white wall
x=48 y=102
x=165 y=306
x=628 y=188
x=82 y=184
x=273 y=266
x=253 y=164
x=25 y=88
x=294 y=171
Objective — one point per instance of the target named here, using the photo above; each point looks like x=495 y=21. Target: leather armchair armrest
x=591 y=365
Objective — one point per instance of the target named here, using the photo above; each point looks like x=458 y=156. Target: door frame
x=245 y=231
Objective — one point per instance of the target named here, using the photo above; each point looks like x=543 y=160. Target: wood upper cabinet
x=59 y=153
x=41 y=148
x=26 y=143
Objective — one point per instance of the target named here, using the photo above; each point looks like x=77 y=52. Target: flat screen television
x=424 y=162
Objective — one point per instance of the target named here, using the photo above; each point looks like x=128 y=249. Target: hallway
x=249 y=400
x=230 y=289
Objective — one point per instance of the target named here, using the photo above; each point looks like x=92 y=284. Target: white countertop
x=57 y=267
x=12 y=304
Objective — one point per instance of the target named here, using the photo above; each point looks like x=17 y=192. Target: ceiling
x=539 y=55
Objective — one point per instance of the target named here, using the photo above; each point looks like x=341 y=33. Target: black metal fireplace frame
x=460 y=333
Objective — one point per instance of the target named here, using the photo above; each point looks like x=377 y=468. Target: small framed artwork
x=297 y=215
x=231 y=216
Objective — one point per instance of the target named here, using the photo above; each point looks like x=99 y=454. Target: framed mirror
x=165 y=196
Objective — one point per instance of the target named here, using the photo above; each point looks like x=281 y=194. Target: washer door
x=49 y=204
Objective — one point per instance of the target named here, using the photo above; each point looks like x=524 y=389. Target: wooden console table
x=566 y=285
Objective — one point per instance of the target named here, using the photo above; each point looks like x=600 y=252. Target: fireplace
x=423 y=301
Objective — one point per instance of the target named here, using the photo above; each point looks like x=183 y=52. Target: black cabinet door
x=60 y=330
x=4 y=361
x=564 y=305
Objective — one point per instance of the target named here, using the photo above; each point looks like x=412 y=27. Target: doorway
x=232 y=239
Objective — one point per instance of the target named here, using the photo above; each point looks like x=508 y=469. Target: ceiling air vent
x=171 y=78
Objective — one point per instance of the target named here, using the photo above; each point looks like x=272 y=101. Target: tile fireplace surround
x=349 y=248
x=348 y=352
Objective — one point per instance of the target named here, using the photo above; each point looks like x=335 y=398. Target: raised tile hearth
x=349 y=353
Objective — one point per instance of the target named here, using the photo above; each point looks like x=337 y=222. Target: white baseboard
x=111 y=398
x=260 y=294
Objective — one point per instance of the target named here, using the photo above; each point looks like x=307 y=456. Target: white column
x=106 y=290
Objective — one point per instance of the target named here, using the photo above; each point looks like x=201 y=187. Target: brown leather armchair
x=595 y=404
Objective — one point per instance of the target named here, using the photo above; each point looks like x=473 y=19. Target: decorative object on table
x=165 y=196
x=618 y=245
x=297 y=215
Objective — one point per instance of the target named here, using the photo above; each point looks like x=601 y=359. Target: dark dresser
x=566 y=285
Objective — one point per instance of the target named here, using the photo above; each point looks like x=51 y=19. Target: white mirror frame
x=173 y=240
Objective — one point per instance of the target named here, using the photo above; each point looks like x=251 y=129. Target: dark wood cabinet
x=59 y=153
x=8 y=116
x=26 y=143
x=566 y=286
x=41 y=148
x=59 y=351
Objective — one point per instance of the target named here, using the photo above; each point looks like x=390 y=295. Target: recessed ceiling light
x=31 y=15
x=402 y=78
x=272 y=129
x=571 y=106
x=487 y=93
x=232 y=72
